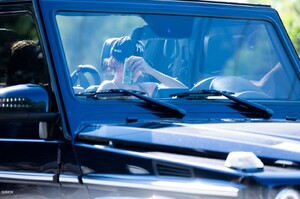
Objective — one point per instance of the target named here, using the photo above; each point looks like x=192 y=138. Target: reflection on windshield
x=161 y=55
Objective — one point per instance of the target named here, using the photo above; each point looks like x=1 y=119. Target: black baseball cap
x=125 y=47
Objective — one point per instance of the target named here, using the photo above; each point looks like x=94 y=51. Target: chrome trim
x=29 y=140
x=178 y=185
x=68 y=178
x=46 y=177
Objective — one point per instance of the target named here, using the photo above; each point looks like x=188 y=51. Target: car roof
x=220 y=2
x=231 y=2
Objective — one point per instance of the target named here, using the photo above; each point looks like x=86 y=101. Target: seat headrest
x=218 y=49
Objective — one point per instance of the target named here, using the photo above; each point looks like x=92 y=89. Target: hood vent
x=173 y=170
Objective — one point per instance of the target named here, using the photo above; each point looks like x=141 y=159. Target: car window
x=241 y=56
x=23 y=76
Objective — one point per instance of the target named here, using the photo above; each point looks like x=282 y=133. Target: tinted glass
x=240 y=56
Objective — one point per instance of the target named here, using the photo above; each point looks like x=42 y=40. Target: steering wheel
x=203 y=84
x=81 y=76
x=236 y=84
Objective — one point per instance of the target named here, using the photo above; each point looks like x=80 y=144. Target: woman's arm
x=106 y=85
x=138 y=64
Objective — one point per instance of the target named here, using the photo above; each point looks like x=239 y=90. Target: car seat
x=218 y=49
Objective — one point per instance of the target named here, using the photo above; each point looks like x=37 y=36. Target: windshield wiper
x=162 y=106
x=255 y=107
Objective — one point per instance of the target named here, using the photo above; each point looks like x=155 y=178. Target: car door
x=29 y=164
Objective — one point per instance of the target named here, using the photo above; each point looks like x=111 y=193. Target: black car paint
x=133 y=138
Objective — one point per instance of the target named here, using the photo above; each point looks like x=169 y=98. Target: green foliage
x=22 y=24
x=289 y=11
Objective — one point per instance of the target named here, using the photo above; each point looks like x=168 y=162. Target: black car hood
x=271 y=140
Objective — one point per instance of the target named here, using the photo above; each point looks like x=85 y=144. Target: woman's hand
x=138 y=66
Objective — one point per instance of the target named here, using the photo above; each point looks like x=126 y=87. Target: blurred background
x=289 y=11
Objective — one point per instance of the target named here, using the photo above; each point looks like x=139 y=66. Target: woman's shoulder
x=106 y=85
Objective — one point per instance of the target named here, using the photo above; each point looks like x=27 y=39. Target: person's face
x=112 y=67
x=118 y=69
x=117 y=66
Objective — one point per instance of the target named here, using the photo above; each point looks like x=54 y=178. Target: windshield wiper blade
x=110 y=93
x=255 y=107
x=162 y=106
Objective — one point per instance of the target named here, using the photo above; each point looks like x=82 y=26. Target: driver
x=129 y=52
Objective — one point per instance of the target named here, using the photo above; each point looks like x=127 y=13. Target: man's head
x=25 y=65
x=126 y=47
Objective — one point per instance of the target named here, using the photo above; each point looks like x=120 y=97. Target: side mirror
x=24 y=97
x=27 y=102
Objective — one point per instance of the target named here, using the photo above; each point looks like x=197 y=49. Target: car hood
x=270 y=140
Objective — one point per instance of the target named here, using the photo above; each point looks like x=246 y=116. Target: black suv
x=147 y=99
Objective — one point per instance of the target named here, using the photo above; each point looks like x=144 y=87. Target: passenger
x=25 y=64
x=130 y=52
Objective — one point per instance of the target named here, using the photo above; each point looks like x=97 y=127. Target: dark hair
x=126 y=47
x=25 y=65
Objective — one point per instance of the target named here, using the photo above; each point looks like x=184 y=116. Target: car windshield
x=167 y=54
